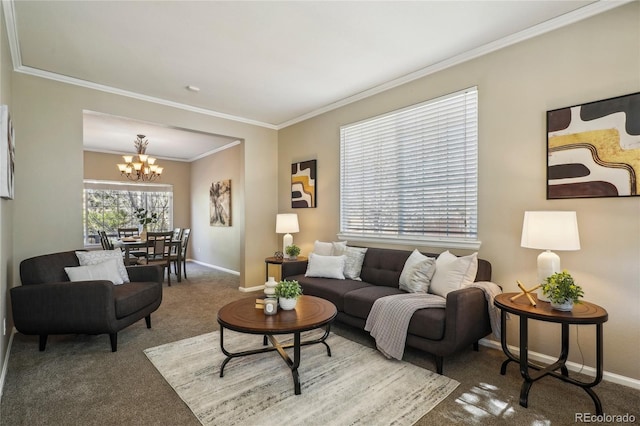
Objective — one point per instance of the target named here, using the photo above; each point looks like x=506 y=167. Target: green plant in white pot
x=287 y=293
x=292 y=251
x=562 y=291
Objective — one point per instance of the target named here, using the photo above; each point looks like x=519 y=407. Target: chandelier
x=144 y=168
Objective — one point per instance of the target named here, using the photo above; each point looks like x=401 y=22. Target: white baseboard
x=250 y=289
x=5 y=364
x=546 y=359
x=219 y=268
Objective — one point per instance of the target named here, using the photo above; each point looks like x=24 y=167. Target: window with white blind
x=411 y=175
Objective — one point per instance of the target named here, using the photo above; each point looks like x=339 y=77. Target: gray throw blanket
x=389 y=319
x=491 y=290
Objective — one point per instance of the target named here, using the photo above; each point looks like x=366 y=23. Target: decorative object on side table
x=562 y=291
x=288 y=293
x=526 y=292
x=293 y=251
x=270 y=287
x=278 y=255
x=270 y=306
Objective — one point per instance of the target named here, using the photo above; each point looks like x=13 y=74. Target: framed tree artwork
x=593 y=149
x=220 y=203
x=303 y=184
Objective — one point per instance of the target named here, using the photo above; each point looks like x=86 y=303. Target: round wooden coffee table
x=310 y=313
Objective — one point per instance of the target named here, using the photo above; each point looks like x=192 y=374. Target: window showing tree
x=411 y=175
x=111 y=205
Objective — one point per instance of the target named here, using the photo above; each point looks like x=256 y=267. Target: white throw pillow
x=88 y=258
x=415 y=258
x=419 y=276
x=322 y=248
x=338 y=248
x=453 y=273
x=102 y=271
x=354 y=256
x=325 y=266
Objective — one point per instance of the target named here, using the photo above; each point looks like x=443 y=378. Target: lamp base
x=548 y=264
x=287 y=241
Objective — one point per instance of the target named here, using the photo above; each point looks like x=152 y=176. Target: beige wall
x=48 y=120
x=6 y=206
x=590 y=60
x=102 y=166
x=217 y=245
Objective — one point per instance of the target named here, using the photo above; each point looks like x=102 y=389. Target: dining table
x=129 y=243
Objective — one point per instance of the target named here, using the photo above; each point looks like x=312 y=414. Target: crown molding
x=585 y=12
x=577 y=15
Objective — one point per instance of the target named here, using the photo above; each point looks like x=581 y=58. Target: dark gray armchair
x=48 y=303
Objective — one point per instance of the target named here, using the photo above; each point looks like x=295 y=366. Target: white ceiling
x=267 y=63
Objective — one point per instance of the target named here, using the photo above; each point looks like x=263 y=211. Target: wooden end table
x=583 y=313
x=310 y=313
x=279 y=261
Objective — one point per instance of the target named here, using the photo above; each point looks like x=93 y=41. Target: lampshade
x=287 y=223
x=550 y=230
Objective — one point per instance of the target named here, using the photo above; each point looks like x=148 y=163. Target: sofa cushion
x=331 y=290
x=132 y=297
x=360 y=301
x=428 y=323
x=383 y=266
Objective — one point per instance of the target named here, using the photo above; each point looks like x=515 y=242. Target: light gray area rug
x=356 y=385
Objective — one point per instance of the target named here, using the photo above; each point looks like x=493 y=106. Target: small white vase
x=287 y=304
x=143 y=233
x=270 y=287
x=567 y=306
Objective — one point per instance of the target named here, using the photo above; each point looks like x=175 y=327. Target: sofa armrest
x=293 y=267
x=63 y=307
x=467 y=317
x=143 y=273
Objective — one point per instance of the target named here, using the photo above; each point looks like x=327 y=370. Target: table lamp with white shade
x=549 y=230
x=286 y=223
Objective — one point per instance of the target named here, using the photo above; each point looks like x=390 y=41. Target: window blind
x=412 y=173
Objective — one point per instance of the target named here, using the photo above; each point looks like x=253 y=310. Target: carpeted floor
x=79 y=381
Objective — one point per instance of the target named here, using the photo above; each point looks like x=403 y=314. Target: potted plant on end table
x=292 y=251
x=287 y=293
x=562 y=291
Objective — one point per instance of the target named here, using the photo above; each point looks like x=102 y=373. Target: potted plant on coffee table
x=562 y=291
x=287 y=293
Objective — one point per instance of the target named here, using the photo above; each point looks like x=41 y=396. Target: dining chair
x=177 y=234
x=184 y=242
x=104 y=241
x=158 y=251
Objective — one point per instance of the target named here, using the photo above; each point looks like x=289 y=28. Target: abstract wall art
x=220 y=203
x=594 y=149
x=303 y=184
x=7 y=154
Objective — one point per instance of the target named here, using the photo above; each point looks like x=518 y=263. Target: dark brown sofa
x=440 y=332
x=48 y=303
